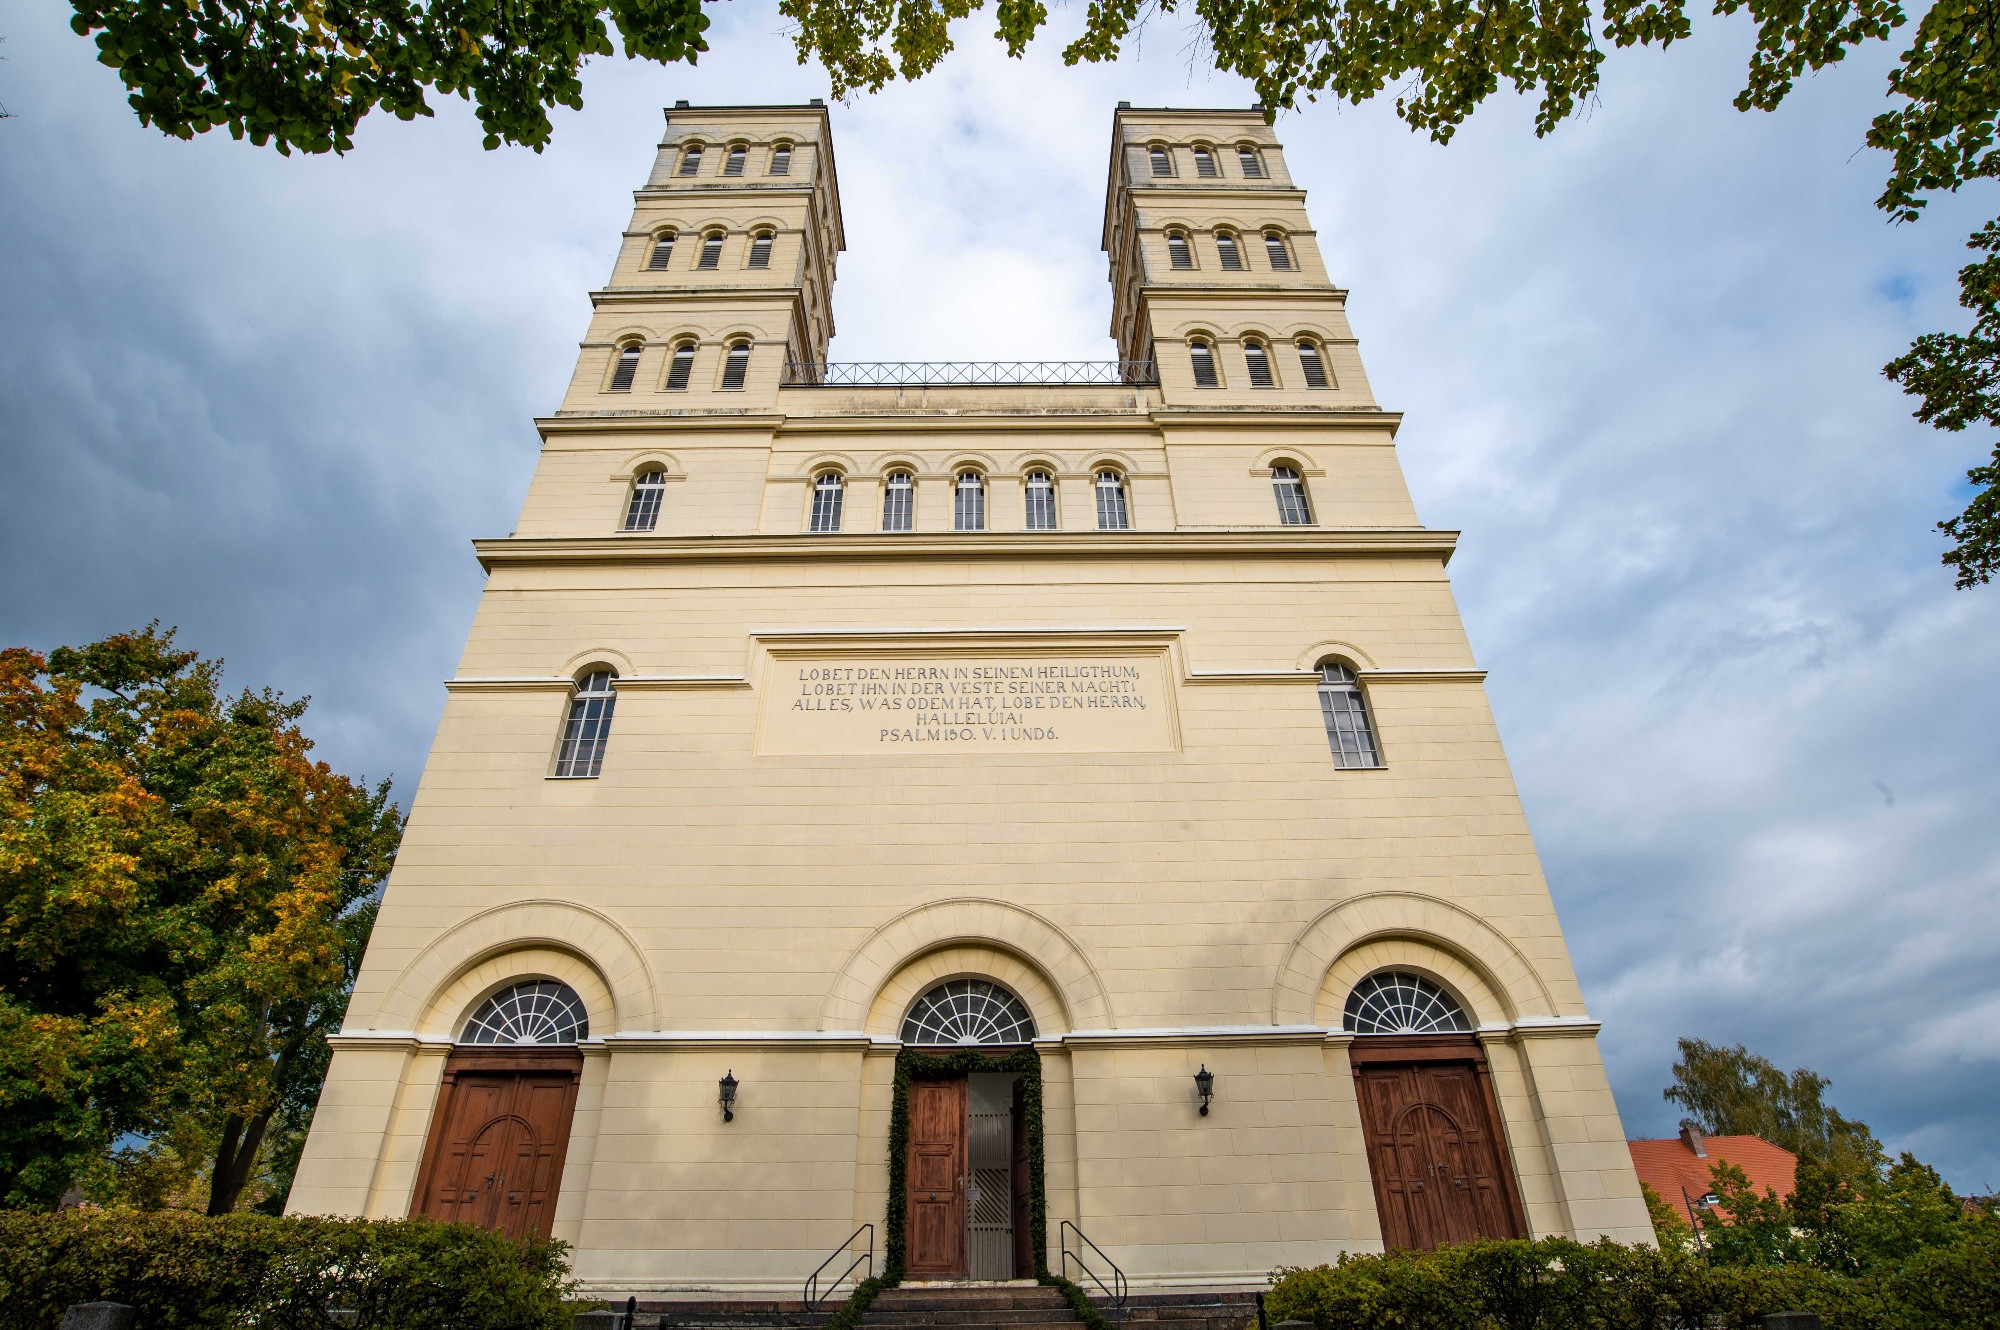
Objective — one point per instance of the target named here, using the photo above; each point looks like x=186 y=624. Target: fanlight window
x=760 y=250
x=899 y=501
x=736 y=365
x=781 y=159
x=1162 y=164
x=1257 y=359
x=1178 y=253
x=968 y=1011
x=541 y=1011
x=1398 y=1002
x=691 y=161
x=1204 y=164
x=663 y=250
x=827 y=493
x=1111 y=511
x=1230 y=253
x=1201 y=356
x=626 y=370
x=681 y=368
x=969 y=508
x=1274 y=248
x=733 y=163
x=1041 y=501
x=1290 y=487
x=1253 y=165
x=587 y=732
x=643 y=514
x=1312 y=364
x=1345 y=712
x=711 y=251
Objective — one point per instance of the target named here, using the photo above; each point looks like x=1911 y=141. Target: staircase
x=1017 y=1306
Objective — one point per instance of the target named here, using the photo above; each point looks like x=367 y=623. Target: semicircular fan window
x=1398 y=1002
x=968 y=1011
x=541 y=1011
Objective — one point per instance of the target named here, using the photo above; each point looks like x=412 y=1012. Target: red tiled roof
x=1670 y=1165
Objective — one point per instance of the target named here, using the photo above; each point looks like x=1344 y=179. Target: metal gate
x=989 y=1198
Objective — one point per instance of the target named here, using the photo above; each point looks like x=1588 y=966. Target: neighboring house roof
x=1683 y=1162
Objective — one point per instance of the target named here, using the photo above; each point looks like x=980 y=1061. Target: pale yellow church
x=969 y=810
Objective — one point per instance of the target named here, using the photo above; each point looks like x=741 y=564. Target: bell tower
x=1215 y=268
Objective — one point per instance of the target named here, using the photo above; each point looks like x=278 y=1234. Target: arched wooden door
x=498 y=1137
x=1434 y=1148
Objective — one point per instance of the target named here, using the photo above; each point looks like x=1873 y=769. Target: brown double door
x=497 y=1139
x=1438 y=1163
x=966 y=1175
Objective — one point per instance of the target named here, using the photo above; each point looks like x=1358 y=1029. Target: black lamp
x=728 y=1086
x=1204 y=1085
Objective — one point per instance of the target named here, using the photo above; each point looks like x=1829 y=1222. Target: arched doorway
x=1429 y=1116
x=967 y=1164
x=501 y=1126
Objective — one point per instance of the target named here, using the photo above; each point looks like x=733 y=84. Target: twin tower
x=991 y=803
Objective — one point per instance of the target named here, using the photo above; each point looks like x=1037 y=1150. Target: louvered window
x=828 y=491
x=663 y=250
x=1204 y=164
x=969 y=503
x=1257 y=360
x=1253 y=165
x=1111 y=511
x=760 y=250
x=1202 y=356
x=1041 y=501
x=588 y=729
x=1290 y=488
x=681 y=369
x=643 y=513
x=711 y=251
x=1178 y=252
x=691 y=161
x=1229 y=251
x=899 y=502
x=733 y=163
x=1274 y=246
x=1312 y=364
x=736 y=365
x=1345 y=712
x=1162 y=164
x=781 y=159
x=627 y=370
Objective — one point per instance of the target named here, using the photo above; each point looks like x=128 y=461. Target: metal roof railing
x=968 y=373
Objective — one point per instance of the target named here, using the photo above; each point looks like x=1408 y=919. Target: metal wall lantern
x=1204 y=1085
x=728 y=1085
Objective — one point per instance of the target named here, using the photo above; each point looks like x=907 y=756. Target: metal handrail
x=968 y=373
x=814 y=1295
x=1117 y=1291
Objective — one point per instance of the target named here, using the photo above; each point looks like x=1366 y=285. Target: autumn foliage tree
x=184 y=896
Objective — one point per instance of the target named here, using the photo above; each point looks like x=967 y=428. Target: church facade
x=1001 y=805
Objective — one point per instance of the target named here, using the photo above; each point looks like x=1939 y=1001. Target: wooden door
x=1437 y=1161
x=497 y=1139
x=935 y=1178
x=1023 y=1179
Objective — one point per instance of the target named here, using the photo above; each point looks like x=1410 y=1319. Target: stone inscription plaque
x=1086 y=702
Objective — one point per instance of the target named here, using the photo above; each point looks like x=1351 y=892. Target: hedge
x=189 y=1272
x=1556 y=1283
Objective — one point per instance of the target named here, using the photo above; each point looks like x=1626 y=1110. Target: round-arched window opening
x=1398 y=1002
x=968 y=1011
x=540 y=1011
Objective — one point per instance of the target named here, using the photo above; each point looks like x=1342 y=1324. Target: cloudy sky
x=271 y=400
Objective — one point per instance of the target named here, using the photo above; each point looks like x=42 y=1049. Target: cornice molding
x=1289 y=543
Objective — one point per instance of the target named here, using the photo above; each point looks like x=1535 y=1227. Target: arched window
x=1041 y=493
x=1204 y=163
x=627 y=367
x=588 y=728
x=1111 y=512
x=1312 y=364
x=781 y=159
x=733 y=163
x=899 y=502
x=1345 y=712
x=760 y=249
x=1253 y=163
x=681 y=368
x=1257 y=359
x=540 y=1011
x=643 y=512
x=1398 y=1002
x=1161 y=163
x=968 y=1011
x=1229 y=251
x=736 y=365
x=1202 y=357
x=1179 y=253
x=968 y=511
x=663 y=250
x=711 y=251
x=690 y=160
x=1274 y=249
x=1290 y=487
x=827 y=493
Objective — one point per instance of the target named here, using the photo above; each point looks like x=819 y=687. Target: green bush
x=1556 y=1284
x=189 y=1272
